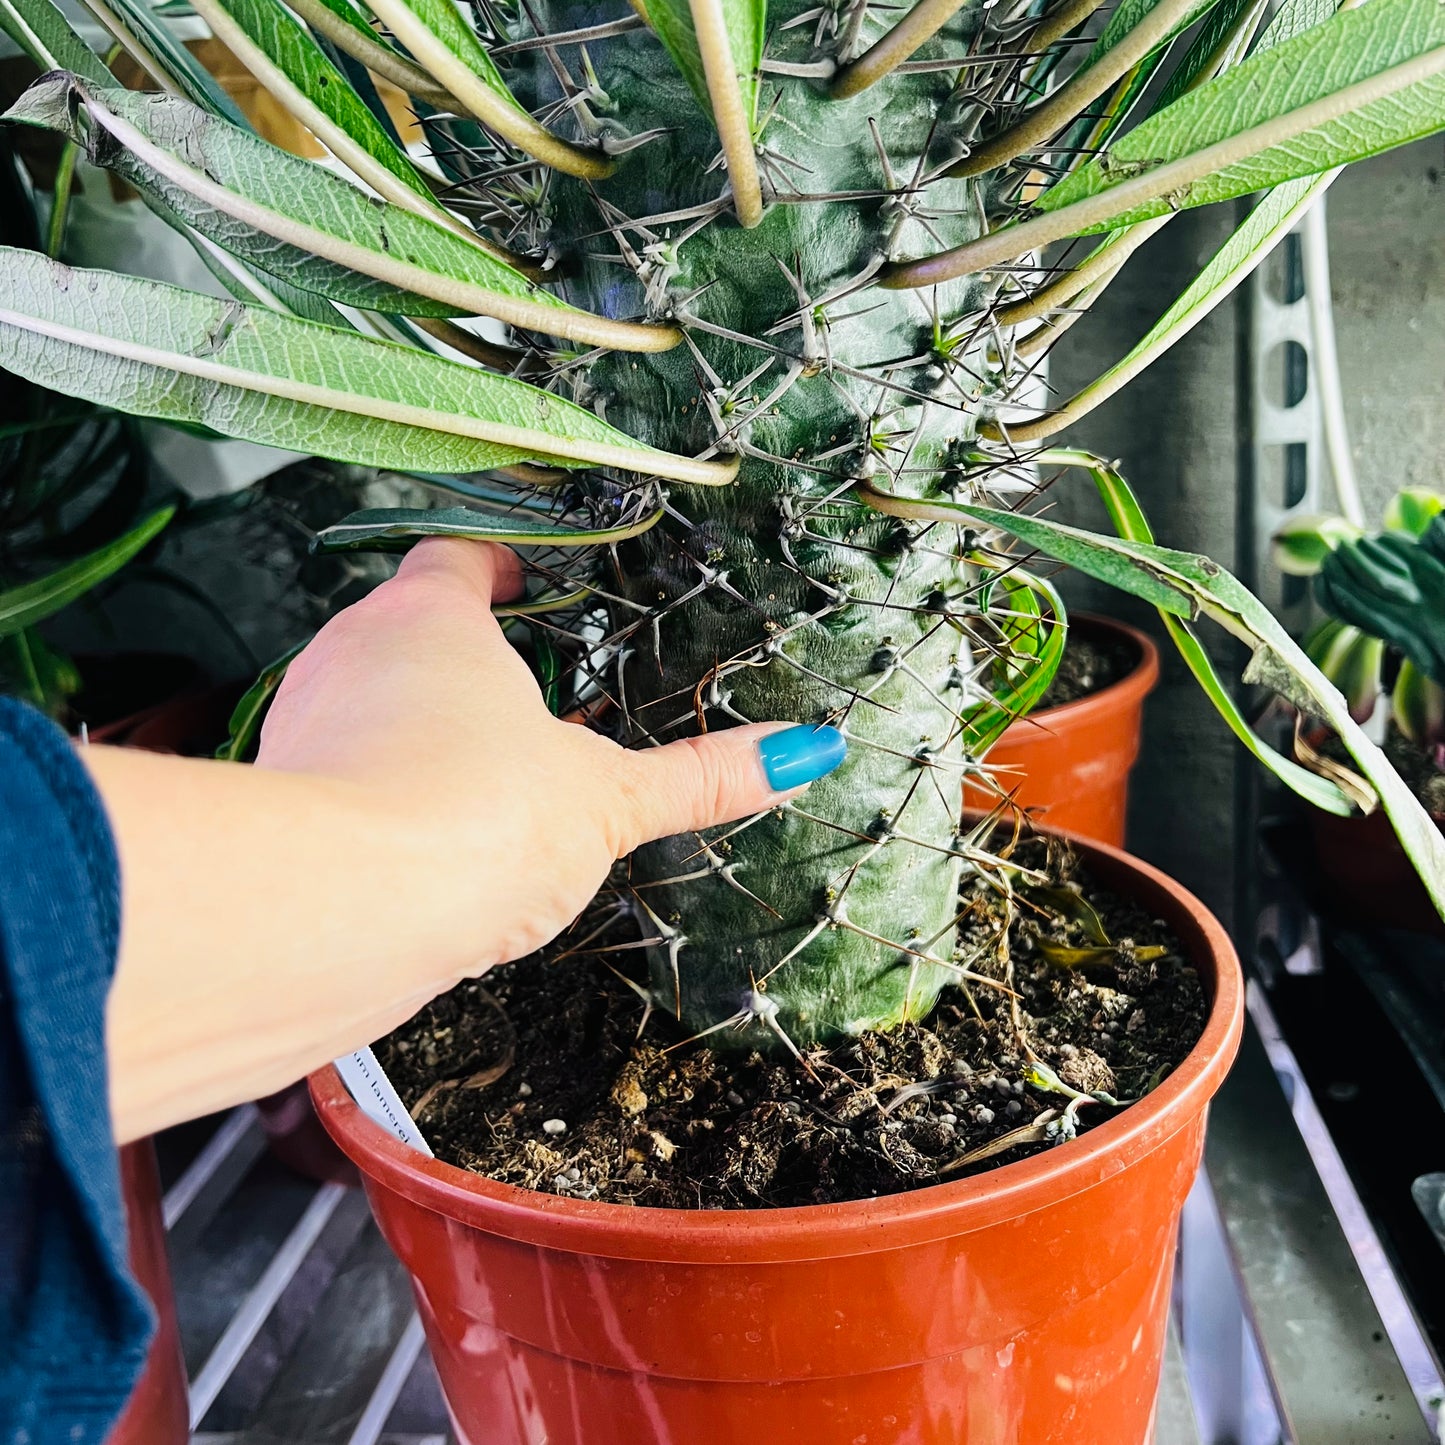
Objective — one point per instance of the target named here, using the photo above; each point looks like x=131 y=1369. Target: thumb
x=702 y=781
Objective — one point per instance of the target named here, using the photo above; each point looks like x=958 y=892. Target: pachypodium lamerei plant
x=1383 y=594
x=775 y=310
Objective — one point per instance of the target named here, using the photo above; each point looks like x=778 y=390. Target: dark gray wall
x=1387 y=253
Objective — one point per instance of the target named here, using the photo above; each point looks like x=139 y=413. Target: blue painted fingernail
x=795 y=756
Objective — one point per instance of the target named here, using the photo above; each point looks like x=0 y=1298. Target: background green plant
x=1383 y=594
x=75 y=493
x=754 y=440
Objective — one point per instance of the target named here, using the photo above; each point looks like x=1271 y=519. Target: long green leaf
x=1124 y=19
x=746 y=24
x=284 y=57
x=1130 y=522
x=250 y=711
x=1130 y=13
x=395 y=529
x=294 y=218
x=32 y=602
x=147 y=39
x=1219 y=44
x=338 y=22
x=1154 y=23
x=348 y=14
x=1271 y=220
x=445 y=46
x=1293 y=18
x=288 y=61
x=1364 y=81
x=156 y=350
x=1186 y=585
x=47 y=37
x=446 y=26
x=247 y=282
x=1273 y=217
x=1035 y=628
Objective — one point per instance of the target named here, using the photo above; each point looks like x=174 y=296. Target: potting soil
x=542 y=1074
x=1090 y=664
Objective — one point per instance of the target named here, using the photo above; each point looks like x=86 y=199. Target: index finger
x=493 y=569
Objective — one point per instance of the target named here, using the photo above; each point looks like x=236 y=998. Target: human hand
x=416 y=815
x=415 y=695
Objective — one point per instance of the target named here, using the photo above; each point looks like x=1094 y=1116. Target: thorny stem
x=786 y=593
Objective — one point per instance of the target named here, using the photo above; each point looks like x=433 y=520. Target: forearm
x=270 y=921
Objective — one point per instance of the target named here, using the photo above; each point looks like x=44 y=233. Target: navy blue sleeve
x=73 y=1323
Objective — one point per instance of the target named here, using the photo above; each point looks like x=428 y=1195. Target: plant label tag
x=377 y=1098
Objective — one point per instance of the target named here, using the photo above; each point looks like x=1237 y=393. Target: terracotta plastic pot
x=294 y=1136
x=1371 y=877
x=120 y=689
x=1069 y=765
x=193 y=723
x=158 y=1412
x=1026 y=1306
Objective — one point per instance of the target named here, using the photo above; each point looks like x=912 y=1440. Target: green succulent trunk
x=781 y=597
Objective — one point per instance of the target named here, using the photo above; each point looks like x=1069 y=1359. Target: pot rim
x=1129 y=691
x=856 y=1226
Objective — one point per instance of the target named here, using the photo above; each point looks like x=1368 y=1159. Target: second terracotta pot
x=1026 y=1306
x=158 y=1412
x=1370 y=876
x=1069 y=765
